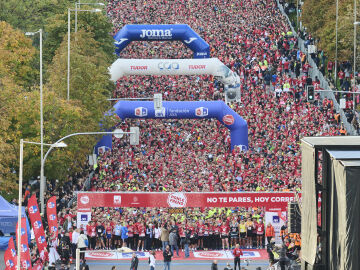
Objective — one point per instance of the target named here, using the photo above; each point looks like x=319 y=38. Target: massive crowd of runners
x=254 y=40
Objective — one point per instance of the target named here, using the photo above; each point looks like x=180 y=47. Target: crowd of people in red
x=253 y=39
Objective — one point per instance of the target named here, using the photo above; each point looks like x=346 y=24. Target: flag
x=10 y=256
x=37 y=224
x=25 y=259
x=52 y=216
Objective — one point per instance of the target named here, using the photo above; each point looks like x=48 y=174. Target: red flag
x=25 y=259
x=52 y=216
x=12 y=252
x=37 y=224
x=9 y=261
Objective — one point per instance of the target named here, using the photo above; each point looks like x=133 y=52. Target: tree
x=96 y=23
x=16 y=55
x=319 y=16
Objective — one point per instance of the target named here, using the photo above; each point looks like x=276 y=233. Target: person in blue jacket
x=124 y=234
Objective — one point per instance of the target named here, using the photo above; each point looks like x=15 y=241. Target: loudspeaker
x=294 y=218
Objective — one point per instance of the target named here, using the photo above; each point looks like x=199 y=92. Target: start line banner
x=272 y=201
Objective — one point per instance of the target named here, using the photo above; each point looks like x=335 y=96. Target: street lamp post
x=68 y=54
x=336 y=39
x=77 y=5
x=42 y=182
x=20 y=192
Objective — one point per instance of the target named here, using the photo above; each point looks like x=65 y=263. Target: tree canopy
x=319 y=17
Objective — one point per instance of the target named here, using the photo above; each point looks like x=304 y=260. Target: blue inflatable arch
x=184 y=110
x=150 y=32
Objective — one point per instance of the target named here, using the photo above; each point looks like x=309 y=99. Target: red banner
x=271 y=201
x=37 y=224
x=52 y=216
x=25 y=260
x=10 y=257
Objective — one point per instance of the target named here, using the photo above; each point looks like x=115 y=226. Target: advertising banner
x=210 y=66
x=37 y=224
x=83 y=218
x=10 y=257
x=162 y=32
x=277 y=219
x=184 y=110
x=52 y=216
x=25 y=259
x=87 y=200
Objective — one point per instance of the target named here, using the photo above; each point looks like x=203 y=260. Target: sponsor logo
x=276 y=219
x=201 y=111
x=84 y=199
x=177 y=199
x=197 y=67
x=138 y=67
x=117 y=199
x=53 y=229
x=41 y=239
x=23 y=231
x=211 y=254
x=190 y=40
x=120 y=41
x=9 y=263
x=160 y=113
x=141 y=111
x=26 y=264
x=37 y=224
x=13 y=252
x=156 y=34
x=228 y=119
x=33 y=209
x=167 y=66
x=129 y=254
x=201 y=53
x=84 y=217
x=242 y=147
x=51 y=204
x=23 y=248
x=100 y=254
x=52 y=217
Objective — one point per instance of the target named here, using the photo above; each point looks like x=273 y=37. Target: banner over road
x=210 y=66
x=184 y=110
x=271 y=201
x=162 y=32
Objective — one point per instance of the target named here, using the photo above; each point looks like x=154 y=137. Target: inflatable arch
x=210 y=66
x=150 y=32
x=184 y=110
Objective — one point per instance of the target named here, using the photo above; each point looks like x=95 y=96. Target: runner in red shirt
x=260 y=229
x=224 y=229
x=136 y=235
x=131 y=235
x=217 y=239
x=237 y=253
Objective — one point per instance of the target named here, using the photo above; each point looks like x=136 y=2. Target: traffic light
x=310 y=93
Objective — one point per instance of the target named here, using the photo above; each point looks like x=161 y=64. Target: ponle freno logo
x=117 y=199
x=84 y=199
x=228 y=119
x=100 y=254
x=177 y=199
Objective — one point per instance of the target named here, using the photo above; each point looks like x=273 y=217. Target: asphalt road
x=176 y=265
